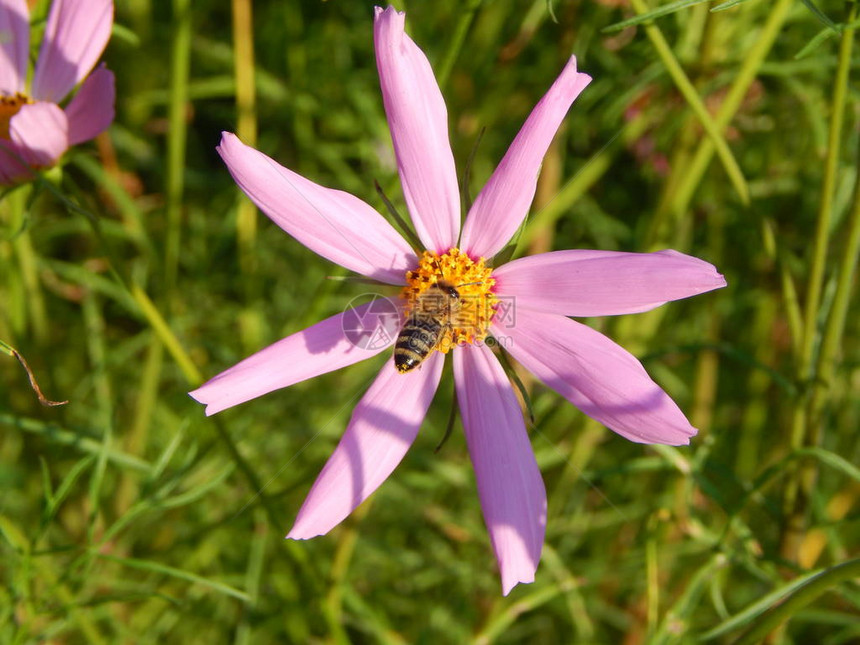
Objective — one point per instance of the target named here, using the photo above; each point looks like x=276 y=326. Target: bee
x=433 y=315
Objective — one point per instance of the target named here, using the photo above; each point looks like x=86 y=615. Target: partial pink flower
x=526 y=301
x=35 y=130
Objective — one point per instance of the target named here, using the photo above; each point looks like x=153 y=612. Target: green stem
x=137 y=438
x=103 y=413
x=147 y=308
x=467 y=15
x=652 y=575
x=753 y=60
x=825 y=209
x=789 y=291
x=253 y=578
x=179 y=72
x=75 y=439
x=806 y=428
x=153 y=567
x=682 y=82
x=69 y=601
x=34 y=304
x=804 y=595
x=128 y=209
x=825 y=369
x=835 y=327
x=586 y=177
x=246 y=127
x=333 y=603
x=165 y=335
x=298 y=555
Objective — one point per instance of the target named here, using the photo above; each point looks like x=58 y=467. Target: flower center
x=466 y=284
x=9 y=107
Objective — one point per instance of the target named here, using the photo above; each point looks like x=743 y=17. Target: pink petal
x=595 y=374
x=332 y=223
x=510 y=487
x=40 y=131
x=92 y=110
x=418 y=121
x=603 y=283
x=333 y=343
x=75 y=36
x=504 y=202
x=383 y=426
x=14 y=43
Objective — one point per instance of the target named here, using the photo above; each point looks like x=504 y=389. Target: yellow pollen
x=9 y=106
x=470 y=320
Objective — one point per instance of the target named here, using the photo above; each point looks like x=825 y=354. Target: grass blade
x=649 y=16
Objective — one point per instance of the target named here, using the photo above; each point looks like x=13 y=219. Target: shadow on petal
x=382 y=428
x=597 y=375
x=357 y=334
x=510 y=486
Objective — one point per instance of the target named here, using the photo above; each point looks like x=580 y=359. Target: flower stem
x=33 y=306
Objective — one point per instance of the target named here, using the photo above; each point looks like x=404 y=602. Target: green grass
x=136 y=270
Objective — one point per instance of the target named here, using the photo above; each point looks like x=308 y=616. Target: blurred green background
x=137 y=269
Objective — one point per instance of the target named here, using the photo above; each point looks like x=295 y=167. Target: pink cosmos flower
x=34 y=130
x=595 y=374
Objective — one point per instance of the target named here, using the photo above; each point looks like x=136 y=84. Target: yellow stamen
x=470 y=323
x=9 y=107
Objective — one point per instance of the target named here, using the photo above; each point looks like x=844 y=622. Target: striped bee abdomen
x=417 y=339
